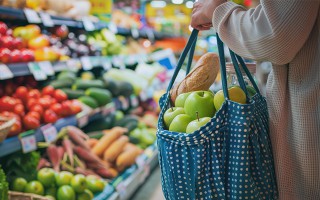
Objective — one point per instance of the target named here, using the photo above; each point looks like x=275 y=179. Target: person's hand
x=202 y=13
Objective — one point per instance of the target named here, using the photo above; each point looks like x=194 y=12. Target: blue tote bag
x=228 y=158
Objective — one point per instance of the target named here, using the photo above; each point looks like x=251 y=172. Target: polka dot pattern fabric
x=230 y=158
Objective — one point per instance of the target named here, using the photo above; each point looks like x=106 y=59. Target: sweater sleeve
x=274 y=31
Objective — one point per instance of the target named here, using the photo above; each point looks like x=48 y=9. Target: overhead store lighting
x=158 y=4
x=189 y=4
x=177 y=1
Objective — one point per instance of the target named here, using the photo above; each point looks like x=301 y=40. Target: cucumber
x=130 y=121
x=125 y=89
x=95 y=134
x=100 y=124
x=73 y=94
x=58 y=84
x=102 y=96
x=89 y=101
x=86 y=84
x=67 y=75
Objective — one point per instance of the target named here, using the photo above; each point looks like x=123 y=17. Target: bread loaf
x=201 y=77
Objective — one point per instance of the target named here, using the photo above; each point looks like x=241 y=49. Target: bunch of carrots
x=74 y=151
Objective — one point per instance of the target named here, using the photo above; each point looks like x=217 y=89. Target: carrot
x=92 y=142
x=127 y=158
x=54 y=157
x=115 y=149
x=105 y=173
x=67 y=145
x=85 y=155
x=79 y=132
x=75 y=135
x=129 y=146
x=107 y=140
x=96 y=165
x=43 y=163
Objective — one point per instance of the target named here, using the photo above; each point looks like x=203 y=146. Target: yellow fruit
x=236 y=94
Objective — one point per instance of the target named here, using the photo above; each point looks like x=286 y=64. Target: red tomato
x=48 y=90
x=21 y=92
x=34 y=93
x=75 y=107
x=32 y=102
x=34 y=114
x=7 y=103
x=50 y=116
x=37 y=108
x=57 y=108
x=60 y=96
x=45 y=102
x=66 y=108
x=30 y=122
x=15 y=129
x=19 y=110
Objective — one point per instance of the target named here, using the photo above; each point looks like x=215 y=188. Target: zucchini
x=86 y=84
x=89 y=101
x=73 y=94
x=102 y=96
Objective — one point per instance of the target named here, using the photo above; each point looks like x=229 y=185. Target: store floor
x=151 y=189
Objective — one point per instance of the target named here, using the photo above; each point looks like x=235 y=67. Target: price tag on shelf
x=32 y=16
x=134 y=101
x=5 y=72
x=73 y=64
x=86 y=63
x=46 y=67
x=49 y=132
x=118 y=62
x=113 y=28
x=135 y=33
x=88 y=24
x=83 y=121
x=106 y=64
x=46 y=19
x=38 y=74
x=28 y=143
x=121 y=189
x=124 y=103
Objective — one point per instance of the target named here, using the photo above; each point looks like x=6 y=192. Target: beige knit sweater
x=285 y=33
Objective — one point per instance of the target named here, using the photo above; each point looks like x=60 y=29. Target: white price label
x=113 y=28
x=83 y=121
x=46 y=19
x=135 y=33
x=46 y=67
x=49 y=132
x=73 y=64
x=32 y=16
x=88 y=24
x=124 y=103
x=5 y=72
x=38 y=74
x=86 y=63
x=134 y=101
x=28 y=143
x=106 y=64
x=121 y=188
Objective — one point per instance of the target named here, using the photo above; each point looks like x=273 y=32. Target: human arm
x=274 y=31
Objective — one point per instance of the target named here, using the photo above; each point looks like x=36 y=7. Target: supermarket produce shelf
x=14 y=144
x=125 y=185
x=57 y=20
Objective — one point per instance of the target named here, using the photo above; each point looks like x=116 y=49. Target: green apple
x=84 y=196
x=180 y=123
x=95 y=185
x=119 y=115
x=197 y=124
x=63 y=178
x=181 y=98
x=19 y=184
x=66 y=192
x=201 y=102
x=171 y=113
x=46 y=176
x=218 y=99
x=34 y=187
x=78 y=183
x=51 y=191
x=251 y=90
x=89 y=192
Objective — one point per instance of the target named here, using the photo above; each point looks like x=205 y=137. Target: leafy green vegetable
x=21 y=165
x=3 y=186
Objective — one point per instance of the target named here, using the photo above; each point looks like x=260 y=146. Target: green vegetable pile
x=3 y=186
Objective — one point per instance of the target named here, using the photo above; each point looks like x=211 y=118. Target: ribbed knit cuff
x=221 y=11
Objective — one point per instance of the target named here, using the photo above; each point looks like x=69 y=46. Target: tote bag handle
x=235 y=60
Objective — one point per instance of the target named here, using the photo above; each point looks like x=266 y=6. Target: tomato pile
x=32 y=107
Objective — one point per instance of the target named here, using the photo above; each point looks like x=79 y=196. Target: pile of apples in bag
x=193 y=104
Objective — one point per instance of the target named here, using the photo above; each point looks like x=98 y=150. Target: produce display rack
x=13 y=144
x=147 y=33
